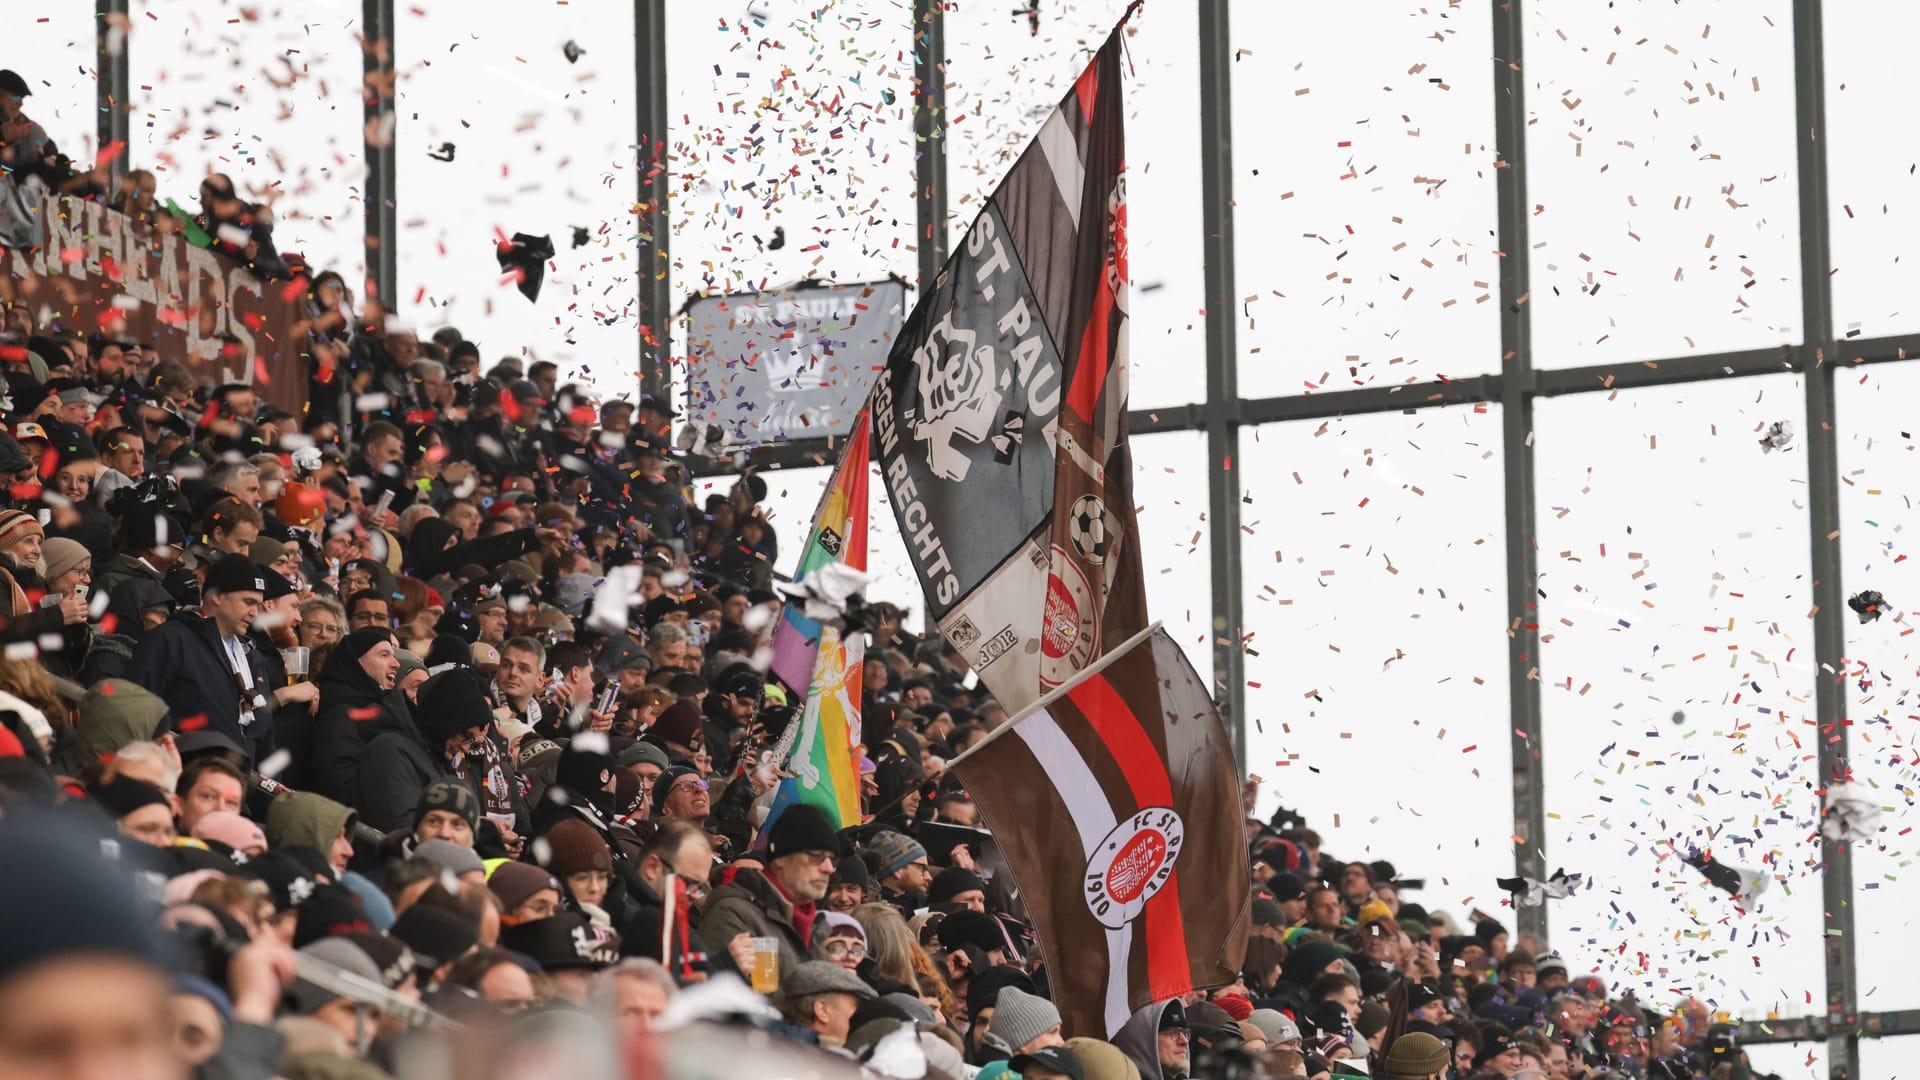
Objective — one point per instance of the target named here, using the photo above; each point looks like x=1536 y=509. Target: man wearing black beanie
x=783 y=901
x=955 y=888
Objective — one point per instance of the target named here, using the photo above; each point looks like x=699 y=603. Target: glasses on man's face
x=844 y=950
x=697 y=888
x=690 y=784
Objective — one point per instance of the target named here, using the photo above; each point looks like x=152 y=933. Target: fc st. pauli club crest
x=1131 y=864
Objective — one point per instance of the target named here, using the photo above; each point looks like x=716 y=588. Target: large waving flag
x=1117 y=804
x=823 y=771
x=1001 y=419
x=839 y=535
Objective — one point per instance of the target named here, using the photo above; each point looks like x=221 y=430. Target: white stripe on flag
x=1063 y=156
x=1093 y=816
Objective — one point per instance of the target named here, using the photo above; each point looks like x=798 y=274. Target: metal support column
x=1516 y=409
x=1223 y=376
x=1823 y=522
x=111 y=87
x=656 y=270
x=382 y=121
x=930 y=136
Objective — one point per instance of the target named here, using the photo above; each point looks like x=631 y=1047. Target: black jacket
x=394 y=771
x=351 y=704
x=184 y=662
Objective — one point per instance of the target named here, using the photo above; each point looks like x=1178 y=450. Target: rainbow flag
x=823 y=767
x=839 y=535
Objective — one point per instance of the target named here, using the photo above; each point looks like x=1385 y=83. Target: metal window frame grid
x=1514 y=387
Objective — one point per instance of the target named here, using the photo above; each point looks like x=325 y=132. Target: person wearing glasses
x=679 y=858
x=782 y=901
x=839 y=939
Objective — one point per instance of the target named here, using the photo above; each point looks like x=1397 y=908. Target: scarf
x=496 y=795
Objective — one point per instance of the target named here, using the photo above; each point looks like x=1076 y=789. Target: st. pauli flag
x=1001 y=418
x=822 y=770
x=839 y=535
x=1116 y=803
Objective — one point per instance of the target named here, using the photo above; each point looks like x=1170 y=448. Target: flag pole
x=1060 y=691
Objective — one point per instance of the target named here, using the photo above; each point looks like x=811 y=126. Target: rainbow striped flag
x=824 y=773
x=839 y=535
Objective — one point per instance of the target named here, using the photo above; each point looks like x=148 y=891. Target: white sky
x=1663 y=172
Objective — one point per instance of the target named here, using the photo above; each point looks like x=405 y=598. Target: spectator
x=207 y=670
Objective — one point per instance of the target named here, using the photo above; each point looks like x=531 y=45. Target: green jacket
x=114 y=713
x=303 y=819
x=749 y=904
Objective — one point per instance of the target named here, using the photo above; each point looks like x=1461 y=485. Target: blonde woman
x=898 y=957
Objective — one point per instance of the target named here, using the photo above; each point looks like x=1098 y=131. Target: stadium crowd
x=313 y=763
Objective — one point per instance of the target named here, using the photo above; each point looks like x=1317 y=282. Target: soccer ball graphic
x=1087 y=528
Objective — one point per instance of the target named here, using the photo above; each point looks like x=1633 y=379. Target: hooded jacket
x=1139 y=1039
x=350 y=703
x=184 y=661
x=395 y=769
x=303 y=819
x=113 y=714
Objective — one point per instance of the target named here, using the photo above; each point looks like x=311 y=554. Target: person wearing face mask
x=353 y=683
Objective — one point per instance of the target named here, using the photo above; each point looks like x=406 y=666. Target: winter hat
x=1417 y=1054
x=123 y=795
x=328 y=911
x=573 y=847
x=453 y=796
x=970 y=927
x=516 y=882
x=832 y=922
x=309 y=998
x=663 y=784
x=1268 y=913
x=450 y=703
x=1373 y=1017
x=436 y=935
x=1286 y=886
x=1235 y=1006
x=642 y=752
x=895 y=851
x=801 y=828
x=17 y=525
x=572 y=591
x=229 y=828
x=950 y=883
x=983 y=991
x=60 y=555
x=74 y=900
x=1020 y=1017
x=567 y=940
x=852 y=871
x=235 y=573
x=1277 y=1026
x=679 y=723
x=451 y=858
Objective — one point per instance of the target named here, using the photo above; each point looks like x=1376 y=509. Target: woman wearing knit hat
x=580 y=858
x=21 y=539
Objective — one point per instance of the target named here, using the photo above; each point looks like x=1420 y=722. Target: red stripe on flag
x=1087 y=89
x=1096 y=355
x=1168 y=972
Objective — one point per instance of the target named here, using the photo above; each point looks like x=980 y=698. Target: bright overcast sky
x=1677 y=674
